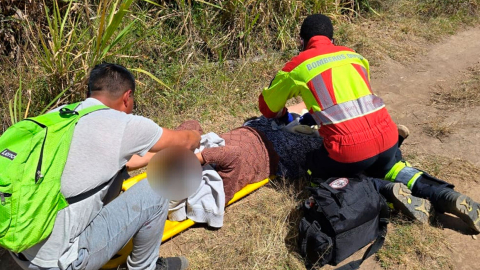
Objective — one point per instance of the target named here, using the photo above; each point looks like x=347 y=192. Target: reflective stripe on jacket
x=334 y=83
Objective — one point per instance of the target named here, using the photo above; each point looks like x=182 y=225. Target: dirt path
x=407 y=91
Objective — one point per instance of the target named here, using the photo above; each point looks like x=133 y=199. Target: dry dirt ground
x=407 y=89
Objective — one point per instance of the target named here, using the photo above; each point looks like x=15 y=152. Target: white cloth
x=296 y=127
x=207 y=204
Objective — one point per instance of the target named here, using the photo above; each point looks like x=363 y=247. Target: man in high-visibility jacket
x=358 y=132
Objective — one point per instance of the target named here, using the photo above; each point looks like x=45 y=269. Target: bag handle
x=71 y=109
x=384 y=217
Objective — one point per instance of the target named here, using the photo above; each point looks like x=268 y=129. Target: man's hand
x=189 y=139
x=200 y=158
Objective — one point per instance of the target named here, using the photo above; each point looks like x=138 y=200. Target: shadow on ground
x=448 y=221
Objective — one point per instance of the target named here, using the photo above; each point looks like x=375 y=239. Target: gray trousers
x=139 y=213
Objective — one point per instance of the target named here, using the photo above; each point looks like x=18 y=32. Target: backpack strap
x=72 y=109
x=68 y=110
x=116 y=186
x=384 y=217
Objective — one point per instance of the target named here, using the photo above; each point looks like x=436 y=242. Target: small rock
x=474 y=237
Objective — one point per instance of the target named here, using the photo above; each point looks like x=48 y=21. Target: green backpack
x=33 y=153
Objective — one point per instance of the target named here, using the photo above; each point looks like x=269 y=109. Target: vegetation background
x=208 y=60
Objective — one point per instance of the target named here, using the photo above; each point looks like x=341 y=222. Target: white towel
x=207 y=204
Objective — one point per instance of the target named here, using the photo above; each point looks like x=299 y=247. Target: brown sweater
x=247 y=157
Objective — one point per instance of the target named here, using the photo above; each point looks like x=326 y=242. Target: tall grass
x=74 y=37
x=166 y=40
x=16 y=108
x=72 y=42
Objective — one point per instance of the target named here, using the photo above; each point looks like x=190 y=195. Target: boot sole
x=468 y=211
x=414 y=207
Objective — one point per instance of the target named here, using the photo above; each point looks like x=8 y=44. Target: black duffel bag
x=342 y=216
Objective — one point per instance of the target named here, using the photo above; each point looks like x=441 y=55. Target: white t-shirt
x=102 y=143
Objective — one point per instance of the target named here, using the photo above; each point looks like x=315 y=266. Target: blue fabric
x=286 y=118
x=292 y=148
x=307 y=119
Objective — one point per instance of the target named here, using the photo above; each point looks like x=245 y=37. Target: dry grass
x=414 y=246
x=179 y=37
x=467 y=94
x=453 y=170
x=262 y=237
x=219 y=95
x=438 y=129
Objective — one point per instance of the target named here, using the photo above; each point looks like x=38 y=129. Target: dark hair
x=316 y=25
x=112 y=78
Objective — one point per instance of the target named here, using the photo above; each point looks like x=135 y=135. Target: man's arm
x=137 y=162
x=189 y=139
x=187 y=135
x=272 y=100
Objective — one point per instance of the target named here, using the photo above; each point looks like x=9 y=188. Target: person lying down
x=245 y=155
x=234 y=159
x=230 y=161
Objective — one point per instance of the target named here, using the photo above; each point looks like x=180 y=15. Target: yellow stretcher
x=172 y=228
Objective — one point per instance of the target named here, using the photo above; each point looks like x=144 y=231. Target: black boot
x=402 y=199
x=462 y=206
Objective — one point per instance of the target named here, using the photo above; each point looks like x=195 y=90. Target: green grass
x=172 y=39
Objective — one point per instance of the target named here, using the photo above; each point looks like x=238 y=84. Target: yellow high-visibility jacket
x=334 y=83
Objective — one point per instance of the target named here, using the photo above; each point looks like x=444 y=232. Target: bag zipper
x=3 y=195
x=38 y=173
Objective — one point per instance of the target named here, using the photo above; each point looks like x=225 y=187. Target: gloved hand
x=303 y=125
x=307 y=120
x=296 y=127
